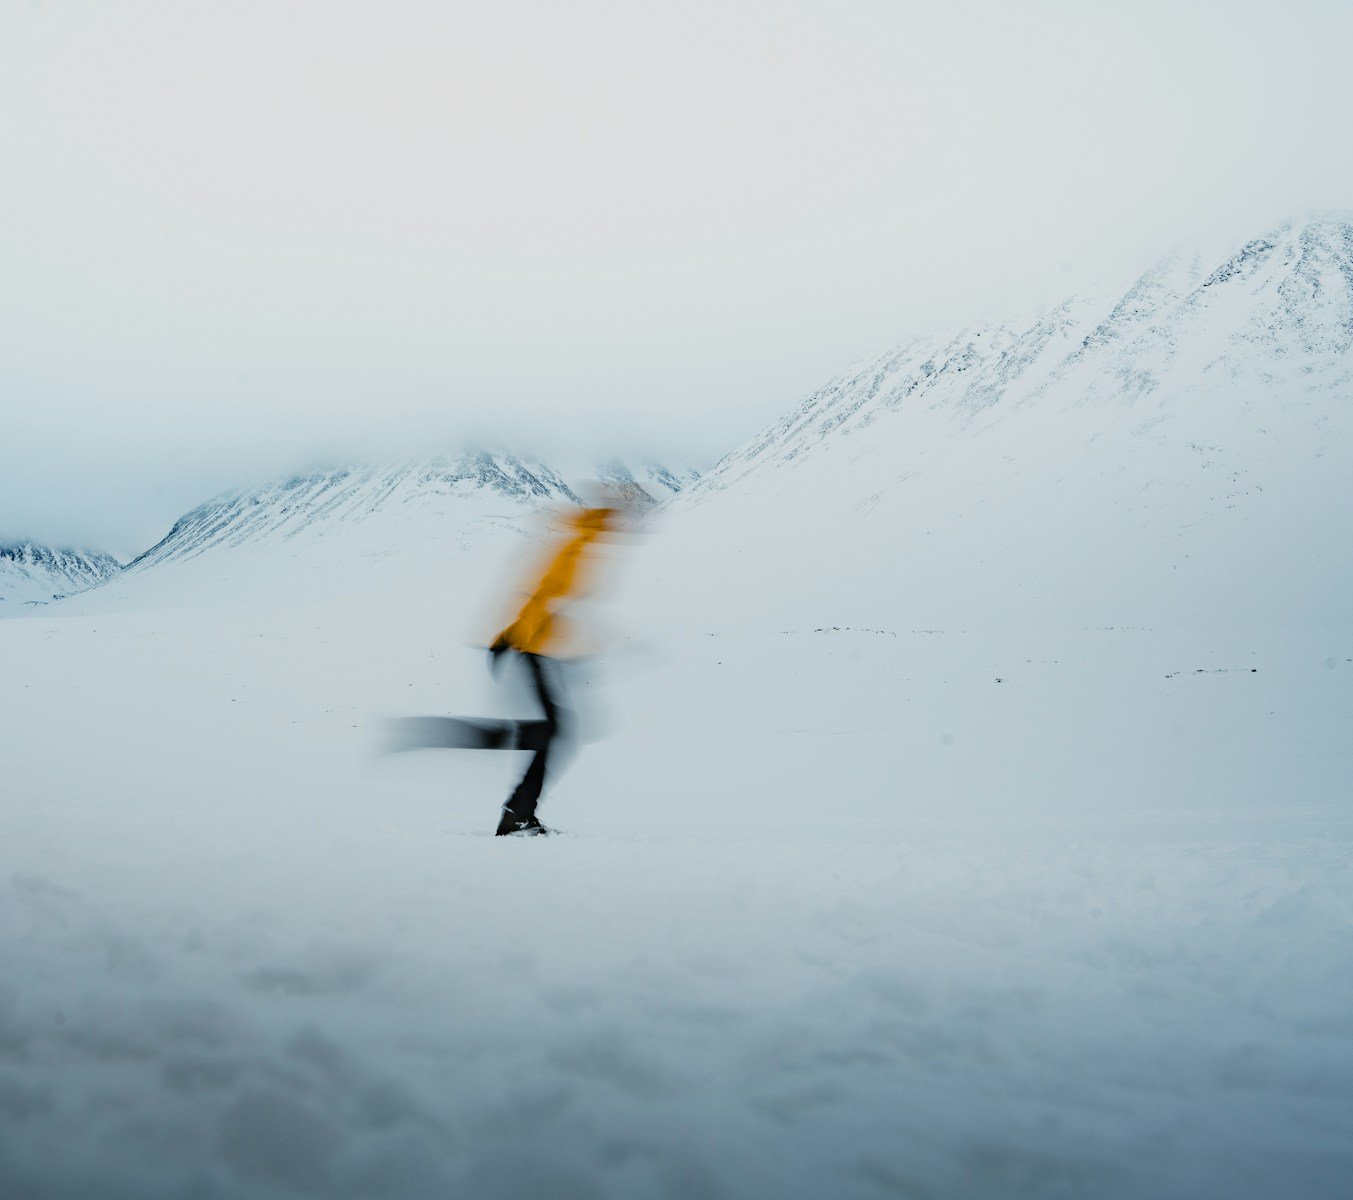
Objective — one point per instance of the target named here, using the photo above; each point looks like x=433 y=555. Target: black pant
x=538 y=736
x=545 y=738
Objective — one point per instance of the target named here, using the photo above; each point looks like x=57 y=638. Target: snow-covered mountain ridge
x=368 y=525
x=1282 y=299
x=31 y=573
x=337 y=500
x=647 y=483
x=324 y=500
x=1176 y=451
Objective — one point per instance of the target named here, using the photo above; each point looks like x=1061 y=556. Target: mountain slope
x=647 y=483
x=1281 y=300
x=1176 y=450
x=337 y=500
x=31 y=573
x=419 y=526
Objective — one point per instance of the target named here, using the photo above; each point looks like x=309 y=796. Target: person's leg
x=520 y=809
x=449 y=733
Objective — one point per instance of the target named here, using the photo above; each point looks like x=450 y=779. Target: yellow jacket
x=537 y=627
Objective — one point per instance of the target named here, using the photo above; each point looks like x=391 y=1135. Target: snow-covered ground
x=850 y=913
x=962 y=810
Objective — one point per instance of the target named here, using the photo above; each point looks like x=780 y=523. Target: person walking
x=538 y=636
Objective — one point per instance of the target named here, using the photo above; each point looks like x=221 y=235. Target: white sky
x=238 y=236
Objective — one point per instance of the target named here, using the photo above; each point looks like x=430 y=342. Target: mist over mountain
x=1173 y=446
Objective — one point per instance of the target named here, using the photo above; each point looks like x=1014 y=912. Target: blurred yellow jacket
x=537 y=628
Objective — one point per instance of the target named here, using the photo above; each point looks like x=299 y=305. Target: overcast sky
x=239 y=236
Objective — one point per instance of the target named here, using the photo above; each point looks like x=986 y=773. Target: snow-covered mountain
x=415 y=525
x=646 y=483
x=1278 y=307
x=338 y=500
x=31 y=573
x=1179 y=449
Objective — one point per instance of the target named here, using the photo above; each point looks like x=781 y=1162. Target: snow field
x=841 y=914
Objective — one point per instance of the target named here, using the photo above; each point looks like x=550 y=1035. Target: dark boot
x=514 y=826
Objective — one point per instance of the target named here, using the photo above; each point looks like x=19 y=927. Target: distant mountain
x=423 y=526
x=332 y=501
x=1284 y=299
x=646 y=483
x=32 y=574
x=1177 y=448
x=321 y=502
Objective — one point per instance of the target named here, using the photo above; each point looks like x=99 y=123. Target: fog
x=240 y=238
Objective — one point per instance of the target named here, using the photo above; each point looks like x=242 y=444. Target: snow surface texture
x=33 y=574
x=965 y=824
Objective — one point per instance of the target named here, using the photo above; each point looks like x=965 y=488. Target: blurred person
x=539 y=634
x=538 y=637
